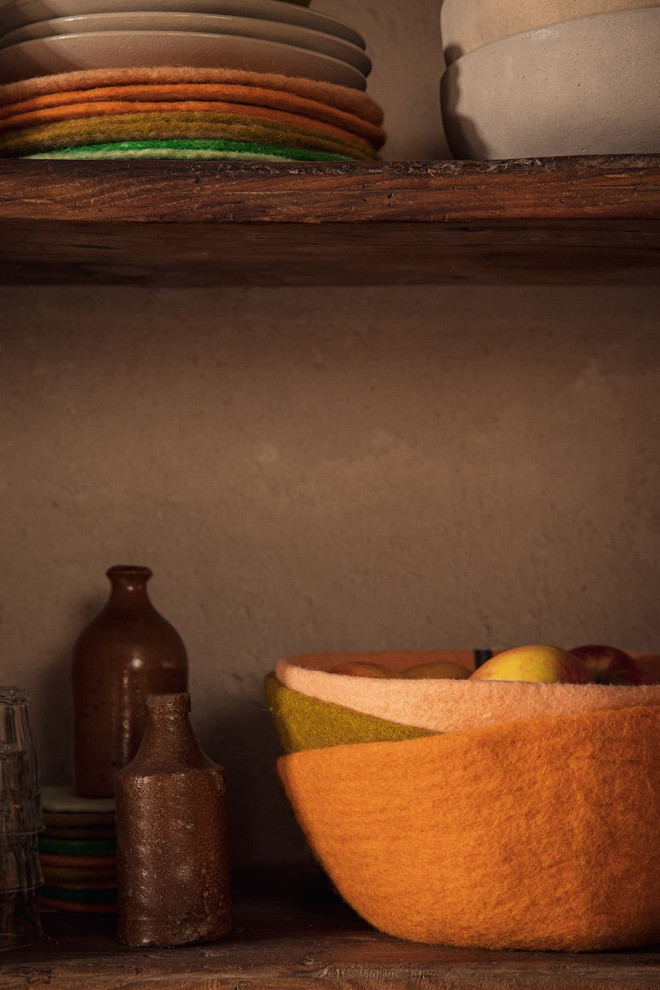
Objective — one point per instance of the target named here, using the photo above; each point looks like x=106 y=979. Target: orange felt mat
x=223 y=112
x=343 y=97
x=448 y=705
x=224 y=93
x=535 y=834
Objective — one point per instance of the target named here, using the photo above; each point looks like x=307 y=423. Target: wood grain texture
x=573 y=221
x=422 y=192
x=296 y=938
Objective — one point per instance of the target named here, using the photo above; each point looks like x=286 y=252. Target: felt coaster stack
x=187 y=113
x=77 y=851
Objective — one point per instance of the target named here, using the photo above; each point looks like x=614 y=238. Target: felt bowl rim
x=429 y=703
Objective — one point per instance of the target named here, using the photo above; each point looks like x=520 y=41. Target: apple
x=360 y=668
x=609 y=665
x=544 y=664
x=437 y=668
x=649 y=664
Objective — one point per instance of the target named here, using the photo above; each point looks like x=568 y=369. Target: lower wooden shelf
x=290 y=935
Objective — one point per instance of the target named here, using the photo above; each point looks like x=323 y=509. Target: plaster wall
x=333 y=469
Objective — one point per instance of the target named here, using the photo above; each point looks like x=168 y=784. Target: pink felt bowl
x=446 y=705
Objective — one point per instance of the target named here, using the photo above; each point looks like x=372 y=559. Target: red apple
x=609 y=665
x=649 y=664
x=543 y=664
x=360 y=668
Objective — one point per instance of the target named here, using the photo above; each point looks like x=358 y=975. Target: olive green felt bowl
x=305 y=723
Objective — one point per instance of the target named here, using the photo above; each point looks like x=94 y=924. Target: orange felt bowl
x=535 y=834
x=447 y=705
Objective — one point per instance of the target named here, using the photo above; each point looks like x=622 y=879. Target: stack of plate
x=77 y=850
x=527 y=78
x=225 y=78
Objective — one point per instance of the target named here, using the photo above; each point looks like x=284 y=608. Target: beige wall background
x=322 y=470
x=332 y=469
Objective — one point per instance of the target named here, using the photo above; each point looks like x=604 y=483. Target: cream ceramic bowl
x=247 y=27
x=583 y=87
x=469 y=24
x=121 y=49
x=16 y=13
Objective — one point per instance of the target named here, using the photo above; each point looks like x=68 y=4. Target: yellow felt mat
x=305 y=723
x=149 y=126
x=534 y=834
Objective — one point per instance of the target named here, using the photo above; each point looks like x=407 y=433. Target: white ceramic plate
x=116 y=49
x=17 y=13
x=247 y=27
x=583 y=87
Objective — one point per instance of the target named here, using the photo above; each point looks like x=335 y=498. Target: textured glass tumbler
x=20 y=822
x=20 y=809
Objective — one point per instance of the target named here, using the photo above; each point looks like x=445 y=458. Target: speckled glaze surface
x=583 y=87
x=172 y=857
x=468 y=24
x=126 y=653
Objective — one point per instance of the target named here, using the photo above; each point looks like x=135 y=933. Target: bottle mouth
x=14 y=696
x=129 y=570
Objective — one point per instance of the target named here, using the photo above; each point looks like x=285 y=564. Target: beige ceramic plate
x=247 y=27
x=121 y=49
x=583 y=87
x=16 y=13
x=469 y=24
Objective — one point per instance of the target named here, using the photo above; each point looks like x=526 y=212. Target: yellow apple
x=438 y=668
x=544 y=664
x=360 y=668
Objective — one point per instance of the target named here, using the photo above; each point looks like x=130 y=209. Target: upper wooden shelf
x=570 y=220
x=291 y=937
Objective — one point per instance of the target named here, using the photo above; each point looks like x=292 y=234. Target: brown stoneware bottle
x=172 y=859
x=127 y=652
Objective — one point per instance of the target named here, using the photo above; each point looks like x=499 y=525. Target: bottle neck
x=129 y=588
x=168 y=735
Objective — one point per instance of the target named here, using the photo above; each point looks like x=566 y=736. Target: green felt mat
x=76 y=847
x=190 y=148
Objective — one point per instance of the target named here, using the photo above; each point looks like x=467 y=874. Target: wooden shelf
x=304 y=939
x=571 y=220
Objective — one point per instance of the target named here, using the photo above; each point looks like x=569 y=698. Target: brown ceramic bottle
x=172 y=860
x=124 y=654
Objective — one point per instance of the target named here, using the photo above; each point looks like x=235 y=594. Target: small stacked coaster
x=187 y=112
x=77 y=851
